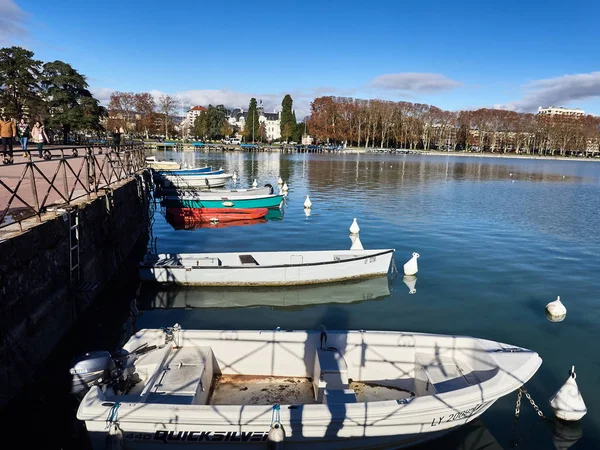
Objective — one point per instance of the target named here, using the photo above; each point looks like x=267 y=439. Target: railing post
x=87 y=172
x=34 y=192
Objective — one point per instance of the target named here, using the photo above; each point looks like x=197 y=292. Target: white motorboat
x=264 y=268
x=198 y=181
x=284 y=297
x=314 y=390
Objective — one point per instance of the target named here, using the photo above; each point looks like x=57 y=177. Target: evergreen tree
x=251 y=130
x=288 y=119
x=70 y=104
x=201 y=125
x=19 y=77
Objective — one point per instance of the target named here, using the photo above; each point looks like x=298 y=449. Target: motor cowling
x=92 y=369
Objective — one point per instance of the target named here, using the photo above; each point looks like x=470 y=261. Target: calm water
x=498 y=239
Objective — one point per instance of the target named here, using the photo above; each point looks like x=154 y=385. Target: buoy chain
x=536 y=407
x=518 y=406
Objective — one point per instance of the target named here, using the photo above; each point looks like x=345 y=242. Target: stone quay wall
x=40 y=296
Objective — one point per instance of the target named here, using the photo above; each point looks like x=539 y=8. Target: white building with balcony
x=272 y=121
x=560 y=111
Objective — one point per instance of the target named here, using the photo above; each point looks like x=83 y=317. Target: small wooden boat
x=223 y=201
x=319 y=389
x=210 y=215
x=265 y=268
x=354 y=291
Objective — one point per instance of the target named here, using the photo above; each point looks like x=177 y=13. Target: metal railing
x=29 y=188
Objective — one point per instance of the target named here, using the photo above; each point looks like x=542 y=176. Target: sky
x=510 y=54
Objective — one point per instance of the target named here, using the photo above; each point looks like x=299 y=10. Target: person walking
x=8 y=131
x=116 y=138
x=38 y=135
x=23 y=134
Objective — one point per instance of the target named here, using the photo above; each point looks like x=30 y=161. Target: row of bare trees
x=140 y=114
x=386 y=124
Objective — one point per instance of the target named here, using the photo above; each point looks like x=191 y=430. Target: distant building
x=272 y=121
x=188 y=121
x=560 y=111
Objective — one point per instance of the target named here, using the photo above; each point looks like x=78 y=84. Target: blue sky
x=455 y=55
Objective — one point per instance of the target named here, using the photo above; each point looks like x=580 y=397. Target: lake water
x=498 y=239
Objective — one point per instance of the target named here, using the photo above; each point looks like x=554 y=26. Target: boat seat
x=330 y=373
x=339 y=396
x=248 y=260
x=436 y=375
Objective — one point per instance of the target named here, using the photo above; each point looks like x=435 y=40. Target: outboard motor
x=100 y=368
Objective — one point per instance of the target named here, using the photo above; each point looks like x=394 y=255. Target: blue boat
x=200 y=170
x=218 y=201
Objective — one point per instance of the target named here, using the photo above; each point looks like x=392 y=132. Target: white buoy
x=279 y=181
x=254 y=183
x=411 y=267
x=284 y=188
x=234 y=175
x=568 y=403
x=556 y=311
x=307 y=203
x=276 y=436
x=410 y=281
x=354 y=228
x=356 y=244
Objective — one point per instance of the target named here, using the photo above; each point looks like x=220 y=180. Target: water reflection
x=565 y=434
x=472 y=436
x=152 y=297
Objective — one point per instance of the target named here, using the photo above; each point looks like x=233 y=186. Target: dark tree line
x=53 y=92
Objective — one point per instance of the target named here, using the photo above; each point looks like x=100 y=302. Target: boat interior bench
x=436 y=375
x=180 y=376
x=330 y=378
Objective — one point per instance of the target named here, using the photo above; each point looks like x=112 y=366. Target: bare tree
x=166 y=106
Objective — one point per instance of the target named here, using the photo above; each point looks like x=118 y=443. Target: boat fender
x=270 y=190
x=114 y=438
x=276 y=436
x=567 y=403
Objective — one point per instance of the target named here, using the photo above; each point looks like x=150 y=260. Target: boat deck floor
x=262 y=390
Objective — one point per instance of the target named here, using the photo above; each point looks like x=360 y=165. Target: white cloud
x=12 y=19
x=559 y=91
x=414 y=82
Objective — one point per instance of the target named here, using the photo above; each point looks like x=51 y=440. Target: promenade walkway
x=31 y=187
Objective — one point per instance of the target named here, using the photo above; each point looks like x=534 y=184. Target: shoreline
x=490 y=155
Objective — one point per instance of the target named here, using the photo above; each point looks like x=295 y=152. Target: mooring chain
x=531 y=401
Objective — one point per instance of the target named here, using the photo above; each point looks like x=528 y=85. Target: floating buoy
x=307 y=203
x=254 y=183
x=410 y=281
x=568 y=403
x=276 y=436
x=114 y=438
x=234 y=176
x=354 y=228
x=411 y=267
x=556 y=311
x=356 y=244
x=284 y=187
x=279 y=181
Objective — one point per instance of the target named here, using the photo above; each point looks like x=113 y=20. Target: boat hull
x=449 y=381
x=209 y=215
x=224 y=201
x=196 y=181
x=289 y=269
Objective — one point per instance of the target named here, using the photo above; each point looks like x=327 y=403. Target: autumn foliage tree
x=379 y=123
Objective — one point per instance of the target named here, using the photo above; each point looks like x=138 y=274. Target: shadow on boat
x=156 y=297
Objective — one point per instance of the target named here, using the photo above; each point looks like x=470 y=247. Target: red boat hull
x=211 y=215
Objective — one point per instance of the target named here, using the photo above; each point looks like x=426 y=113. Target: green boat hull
x=269 y=202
